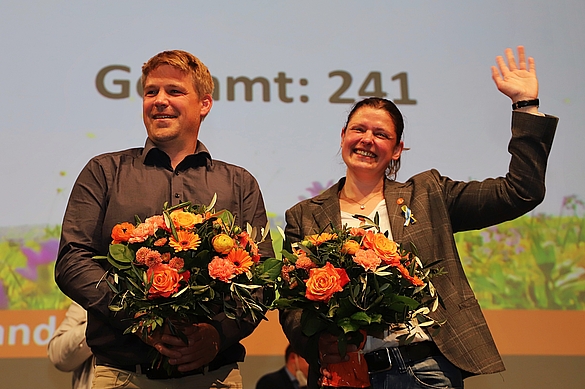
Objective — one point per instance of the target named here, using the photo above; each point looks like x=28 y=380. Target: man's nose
x=162 y=99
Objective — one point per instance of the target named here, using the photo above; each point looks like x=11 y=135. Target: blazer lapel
x=326 y=209
x=395 y=193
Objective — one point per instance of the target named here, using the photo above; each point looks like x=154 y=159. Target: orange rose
x=324 y=282
x=385 y=248
x=165 y=281
x=350 y=247
x=122 y=232
x=222 y=243
x=185 y=220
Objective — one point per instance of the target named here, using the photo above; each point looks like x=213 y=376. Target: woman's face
x=369 y=142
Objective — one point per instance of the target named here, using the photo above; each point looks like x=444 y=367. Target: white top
x=347 y=218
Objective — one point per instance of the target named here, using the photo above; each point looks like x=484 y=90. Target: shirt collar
x=152 y=155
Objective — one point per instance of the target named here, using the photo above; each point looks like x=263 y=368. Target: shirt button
x=177 y=195
x=176 y=173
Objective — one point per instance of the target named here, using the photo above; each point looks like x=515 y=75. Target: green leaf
x=226 y=217
x=348 y=325
x=362 y=317
x=291 y=257
x=271 y=268
x=121 y=253
x=311 y=324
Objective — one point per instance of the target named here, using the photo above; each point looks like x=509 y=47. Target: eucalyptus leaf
x=265 y=231
x=213 y=201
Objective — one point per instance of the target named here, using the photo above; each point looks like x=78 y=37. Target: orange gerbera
x=323 y=237
x=186 y=240
x=241 y=260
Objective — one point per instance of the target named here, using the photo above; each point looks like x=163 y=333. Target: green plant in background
x=27 y=259
x=534 y=262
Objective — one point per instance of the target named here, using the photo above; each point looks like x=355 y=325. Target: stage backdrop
x=286 y=74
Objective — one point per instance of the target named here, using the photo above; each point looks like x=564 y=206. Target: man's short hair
x=186 y=62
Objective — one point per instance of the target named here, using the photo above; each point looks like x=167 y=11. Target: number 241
x=371 y=87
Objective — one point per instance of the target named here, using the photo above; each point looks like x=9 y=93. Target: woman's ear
x=398 y=150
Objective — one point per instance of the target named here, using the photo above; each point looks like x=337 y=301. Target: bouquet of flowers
x=355 y=281
x=184 y=266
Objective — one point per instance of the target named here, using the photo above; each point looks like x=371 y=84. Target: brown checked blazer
x=442 y=207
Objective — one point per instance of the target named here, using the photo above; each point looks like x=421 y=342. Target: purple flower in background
x=46 y=255
x=316 y=189
x=3 y=297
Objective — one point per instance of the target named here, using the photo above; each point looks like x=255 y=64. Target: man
x=68 y=350
x=293 y=375
x=173 y=166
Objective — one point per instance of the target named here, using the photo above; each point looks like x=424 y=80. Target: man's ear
x=206 y=104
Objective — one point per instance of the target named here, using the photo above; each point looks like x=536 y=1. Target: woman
x=371 y=145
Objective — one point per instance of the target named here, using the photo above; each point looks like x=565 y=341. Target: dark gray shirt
x=113 y=188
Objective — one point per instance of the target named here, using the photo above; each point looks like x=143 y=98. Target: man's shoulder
x=227 y=165
x=134 y=151
x=231 y=169
x=118 y=155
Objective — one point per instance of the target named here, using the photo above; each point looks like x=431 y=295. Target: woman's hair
x=186 y=62
x=396 y=116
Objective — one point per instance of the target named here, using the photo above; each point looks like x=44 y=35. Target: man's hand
x=202 y=348
x=517 y=81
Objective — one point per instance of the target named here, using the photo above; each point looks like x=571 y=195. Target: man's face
x=171 y=108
